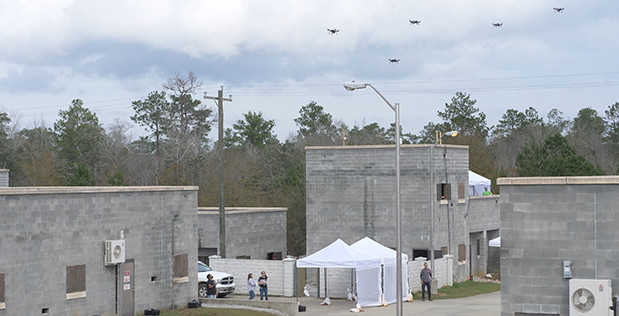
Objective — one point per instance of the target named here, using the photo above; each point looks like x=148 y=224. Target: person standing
x=251 y=285
x=426 y=278
x=211 y=287
x=486 y=192
x=264 y=288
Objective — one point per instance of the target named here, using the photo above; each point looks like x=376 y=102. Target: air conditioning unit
x=590 y=297
x=114 y=252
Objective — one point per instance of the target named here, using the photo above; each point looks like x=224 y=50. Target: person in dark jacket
x=426 y=278
x=211 y=287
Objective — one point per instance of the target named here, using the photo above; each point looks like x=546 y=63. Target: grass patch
x=463 y=289
x=210 y=311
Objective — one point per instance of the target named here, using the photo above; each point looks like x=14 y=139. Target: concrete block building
x=546 y=222
x=483 y=224
x=53 y=244
x=4 y=178
x=350 y=194
x=251 y=232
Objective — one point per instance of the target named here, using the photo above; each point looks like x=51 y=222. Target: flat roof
x=582 y=180
x=383 y=146
x=79 y=189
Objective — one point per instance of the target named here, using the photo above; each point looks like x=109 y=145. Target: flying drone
x=333 y=31
x=414 y=22
x=394 y=61
x=497 y=24
x=558 y=9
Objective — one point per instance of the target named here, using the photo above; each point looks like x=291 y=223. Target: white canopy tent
x=337 y=255
x=477 y=184
x=340 y=255
x=387 y=257
x=496 y=242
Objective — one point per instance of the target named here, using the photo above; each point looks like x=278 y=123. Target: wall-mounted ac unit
x=590 y=297
x=114 y=252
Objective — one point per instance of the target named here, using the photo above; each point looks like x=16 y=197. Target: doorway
x=127 y=289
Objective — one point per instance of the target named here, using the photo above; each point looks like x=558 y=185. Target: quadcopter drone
x=394 y=61
x=414 y=22
x=333 y=31
x=497 y=24
x=558 y=9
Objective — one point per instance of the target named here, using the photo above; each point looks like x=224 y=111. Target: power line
x=324 y=89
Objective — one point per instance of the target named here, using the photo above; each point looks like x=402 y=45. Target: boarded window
x=274 y=256
x=181 y=266
x=76 y=279
x=461 y=252
x=1 y=287
x=443 y=191
x=426 y=253
x=438 y=254
x=444 y=250
x=461 y=191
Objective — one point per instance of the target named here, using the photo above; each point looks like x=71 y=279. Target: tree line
x=260 y=170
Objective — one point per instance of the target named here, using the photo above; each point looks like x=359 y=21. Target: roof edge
x=339 y=147
x=82 y=190
x=580 y=180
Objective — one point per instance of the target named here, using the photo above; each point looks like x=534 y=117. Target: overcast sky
x=276 y=56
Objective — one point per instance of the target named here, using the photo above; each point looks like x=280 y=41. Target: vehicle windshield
x=203 y=267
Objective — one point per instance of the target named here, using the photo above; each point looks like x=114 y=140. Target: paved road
x=480 y=305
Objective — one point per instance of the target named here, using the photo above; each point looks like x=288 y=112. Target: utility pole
x=220 y=150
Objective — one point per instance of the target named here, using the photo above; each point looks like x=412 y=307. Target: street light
x=439 y=140
x=351 y=86
x=440 y=135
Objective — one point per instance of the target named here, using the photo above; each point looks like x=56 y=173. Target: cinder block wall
x=253 y=231
x=280 y=273
x=350 y=194
x=483 y=221
x=484 y=213
x=44 y=230
x=547 y=220
x=443 y=270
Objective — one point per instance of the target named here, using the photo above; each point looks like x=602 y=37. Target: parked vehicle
x=225 y=281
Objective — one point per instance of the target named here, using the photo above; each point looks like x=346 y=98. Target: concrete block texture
x=250 y=231
x=351 y=194
x=544 y=222
x=282 y=277
x=280 y=273
x=46 y=230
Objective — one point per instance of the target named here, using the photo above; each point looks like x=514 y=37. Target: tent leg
x=352 y=280
x=318 y=282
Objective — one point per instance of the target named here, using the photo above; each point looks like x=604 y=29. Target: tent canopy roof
x=373 y=248
x=496 y=242
x=475 y=179
x=338 y=255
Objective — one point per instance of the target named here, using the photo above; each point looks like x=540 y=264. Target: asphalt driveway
x=480 y=305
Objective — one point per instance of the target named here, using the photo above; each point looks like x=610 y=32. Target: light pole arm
x=396 y=108
x=382 y=96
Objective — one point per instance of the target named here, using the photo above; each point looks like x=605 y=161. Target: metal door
x=127 y=289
